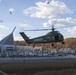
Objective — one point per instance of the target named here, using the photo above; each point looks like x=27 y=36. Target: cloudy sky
x=35 y=14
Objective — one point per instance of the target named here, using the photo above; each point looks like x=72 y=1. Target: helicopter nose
x=62 y=37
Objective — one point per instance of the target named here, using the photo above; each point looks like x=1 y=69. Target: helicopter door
x=56 y=38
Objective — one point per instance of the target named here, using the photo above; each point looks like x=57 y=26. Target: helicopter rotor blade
x=53 y=28
x=38 y=30
x=42 y=29
x=65 y=26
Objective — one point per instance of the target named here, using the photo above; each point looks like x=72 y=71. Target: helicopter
x=51 y=37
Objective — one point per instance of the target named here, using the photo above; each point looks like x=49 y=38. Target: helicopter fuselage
x=50 y=37
x=54 y=36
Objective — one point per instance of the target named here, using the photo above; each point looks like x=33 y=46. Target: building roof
x=8 y=40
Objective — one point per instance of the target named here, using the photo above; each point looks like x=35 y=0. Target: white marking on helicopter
x=3 y=73
x=40 y=39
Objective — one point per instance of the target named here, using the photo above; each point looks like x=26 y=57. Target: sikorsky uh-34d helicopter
x=50 y=37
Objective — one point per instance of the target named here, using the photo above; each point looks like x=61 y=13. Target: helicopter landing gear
x=33 y=45
x=63 y=42
x=52 y=44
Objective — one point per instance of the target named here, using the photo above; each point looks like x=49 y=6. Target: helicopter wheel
x=52 y=44
x=33 y=45
x=63 y=42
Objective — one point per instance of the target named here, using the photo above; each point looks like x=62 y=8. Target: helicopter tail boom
x=25 y=37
